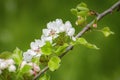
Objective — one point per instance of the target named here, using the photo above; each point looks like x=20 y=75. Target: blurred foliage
x=21 y=21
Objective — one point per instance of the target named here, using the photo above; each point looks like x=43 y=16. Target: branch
x=85 y=29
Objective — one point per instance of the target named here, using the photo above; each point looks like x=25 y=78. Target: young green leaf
x=25 y=69
x=54 y=63
x=85 y=43
x=60 y=49
x=17 y=56
x=74 y=11
x=106 y=31
x=47 y=48
x=82 y=13
x=83 y=8
x=45 y=77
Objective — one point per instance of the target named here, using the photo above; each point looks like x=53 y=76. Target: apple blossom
x=11 y=68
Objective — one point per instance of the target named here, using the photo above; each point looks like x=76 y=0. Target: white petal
x=3 y=65
x=12 y=68
x=68 y=24
x=44 y=38
x=71 y=32
x=40 y=43
x=27 y=56
x=46 y=32
x=62 y=28
x=73 y=38
x=33 y=46
x=10 y=61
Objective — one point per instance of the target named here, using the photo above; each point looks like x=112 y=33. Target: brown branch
x=85 y=29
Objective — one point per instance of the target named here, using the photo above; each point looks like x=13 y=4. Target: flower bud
x=36 y=68
x=95 y=25
x=31 y=72
x=80 y=21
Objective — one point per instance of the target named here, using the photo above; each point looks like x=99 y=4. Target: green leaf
x=25 y=69
x=74 y=11
x=45 y=77
x=85 y=43
x=54 y=63
x=60 y=49
x=47 y=48
x=17 y=56
x=82 y=13
x=83 y=8
x=82 y=4
x=106 y=31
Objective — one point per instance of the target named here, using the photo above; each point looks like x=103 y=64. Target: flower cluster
x=49 y=34
x=34 y=70
x=7 y=64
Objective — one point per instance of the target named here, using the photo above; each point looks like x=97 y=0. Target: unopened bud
x=80 y=20
x=95 y=25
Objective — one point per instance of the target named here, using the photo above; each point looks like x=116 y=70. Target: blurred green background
x=22 y=21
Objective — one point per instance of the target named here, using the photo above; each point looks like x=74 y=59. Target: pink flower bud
x=95 y=25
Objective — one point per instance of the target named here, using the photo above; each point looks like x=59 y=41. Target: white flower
x=57 y=26
x=37 y=44
x=46 y=38
x=10 y=61
x=71 y=32
x=68 y=24
x=3 y=65
x=27 y=56
x=0 y=71
x=46 y=32
x=12 y=68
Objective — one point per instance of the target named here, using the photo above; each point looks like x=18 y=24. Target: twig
x=85 y=29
